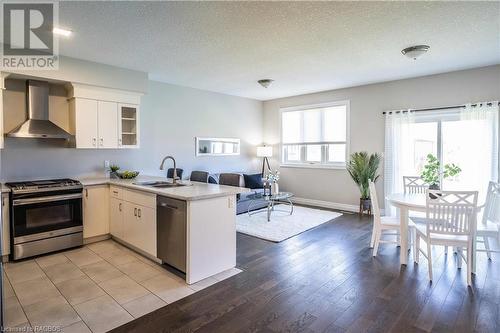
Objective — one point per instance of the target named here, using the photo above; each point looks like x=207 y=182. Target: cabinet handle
x=120 y=206
x=86 y=193
x=135 y=211
x=139 y=213
x=102 y=142
x=94 y=141
x=115 y=192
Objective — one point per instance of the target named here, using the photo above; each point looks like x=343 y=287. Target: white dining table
x=406 y=202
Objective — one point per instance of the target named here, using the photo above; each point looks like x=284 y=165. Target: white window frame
x=324 y=150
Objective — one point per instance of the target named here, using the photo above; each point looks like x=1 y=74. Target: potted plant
x=114 y=171
x=432 y=172
x=364 y=167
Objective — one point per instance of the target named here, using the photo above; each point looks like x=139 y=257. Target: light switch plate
x=106 y=164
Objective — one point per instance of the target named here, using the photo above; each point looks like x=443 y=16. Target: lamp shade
x=264 y=151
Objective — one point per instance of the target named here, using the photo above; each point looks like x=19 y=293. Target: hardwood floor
x=325 y=280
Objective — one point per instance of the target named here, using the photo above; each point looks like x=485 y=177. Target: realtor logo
x=28 y=42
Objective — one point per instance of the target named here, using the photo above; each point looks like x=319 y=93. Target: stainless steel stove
x=46 y=216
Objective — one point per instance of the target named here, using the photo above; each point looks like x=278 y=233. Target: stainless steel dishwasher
x=171 y=232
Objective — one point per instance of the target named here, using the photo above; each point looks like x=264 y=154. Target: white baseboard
x=327 y=204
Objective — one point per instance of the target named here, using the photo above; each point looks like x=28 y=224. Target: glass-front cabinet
x=128 y=131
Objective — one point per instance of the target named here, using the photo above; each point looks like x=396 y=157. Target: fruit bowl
x=128 y=174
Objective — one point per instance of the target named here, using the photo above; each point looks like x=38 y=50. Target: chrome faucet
x=175 y=167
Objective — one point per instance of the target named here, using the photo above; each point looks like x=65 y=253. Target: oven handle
x=50 y=198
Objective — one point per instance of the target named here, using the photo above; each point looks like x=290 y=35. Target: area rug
x=282 y=225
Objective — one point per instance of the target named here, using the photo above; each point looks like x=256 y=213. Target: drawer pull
x=139 y=213
x=135 y=211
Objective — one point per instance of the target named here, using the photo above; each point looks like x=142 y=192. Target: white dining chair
x=382 y=225
x=488 y=226
x=450 y=221
x=414 y=185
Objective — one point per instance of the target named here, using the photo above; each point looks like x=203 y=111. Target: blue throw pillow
x=253 y=181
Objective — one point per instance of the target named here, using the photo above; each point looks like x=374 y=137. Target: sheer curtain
x=398 y=128
x=473 y=143
x=467 y=137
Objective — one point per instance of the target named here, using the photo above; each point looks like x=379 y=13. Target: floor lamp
x=265 y=152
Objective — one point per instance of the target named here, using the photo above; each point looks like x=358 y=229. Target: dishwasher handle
x=165 y=205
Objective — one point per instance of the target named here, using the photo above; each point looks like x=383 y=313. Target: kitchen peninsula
x=128 y=210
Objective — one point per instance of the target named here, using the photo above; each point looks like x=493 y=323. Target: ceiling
x=304 y=46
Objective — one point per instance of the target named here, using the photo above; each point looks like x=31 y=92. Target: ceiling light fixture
x=265 y=82
x=62 y=32
x=413 y=52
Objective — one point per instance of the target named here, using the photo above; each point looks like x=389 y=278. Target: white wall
x=171 y=117
x=367 y=122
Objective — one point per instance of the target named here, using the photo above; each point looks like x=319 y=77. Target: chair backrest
x=451 y=212
x=231 y=179
x=492 y=205
x=170 y=173
x=199 y=176
x=413 y=184
x=374 y=200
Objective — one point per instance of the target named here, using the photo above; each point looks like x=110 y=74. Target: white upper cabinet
x=107 y=124
x=84 y=114
x=104 y=118
x=128 y=126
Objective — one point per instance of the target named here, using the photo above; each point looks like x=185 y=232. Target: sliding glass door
x=468 y=143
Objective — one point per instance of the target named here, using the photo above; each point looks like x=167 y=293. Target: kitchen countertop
x=196 y=191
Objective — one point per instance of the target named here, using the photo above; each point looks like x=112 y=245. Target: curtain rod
x=435 y=109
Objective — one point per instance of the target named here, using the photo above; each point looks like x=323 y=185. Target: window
x=467 y=143
x=315 y=135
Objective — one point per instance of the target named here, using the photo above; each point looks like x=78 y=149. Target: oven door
x=36 y=216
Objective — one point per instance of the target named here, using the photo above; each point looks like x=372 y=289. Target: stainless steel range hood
x=37 y=124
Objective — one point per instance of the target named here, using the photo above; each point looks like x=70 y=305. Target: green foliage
x=363 y=168
x=432 y=170
x=128 y=174
x=114 y=168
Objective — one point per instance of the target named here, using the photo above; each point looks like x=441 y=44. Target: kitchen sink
x=167 y=184
x=161 y=184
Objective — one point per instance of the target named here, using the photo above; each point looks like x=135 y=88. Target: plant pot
x=365 y=205
x=113 y=175
x=433 y=187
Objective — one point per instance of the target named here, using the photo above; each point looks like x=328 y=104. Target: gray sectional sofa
x=243 y=201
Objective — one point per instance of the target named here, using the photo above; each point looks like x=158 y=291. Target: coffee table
x=281 y=197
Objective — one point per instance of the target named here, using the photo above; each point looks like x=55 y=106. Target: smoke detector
x=265 y=82
x=413 y=52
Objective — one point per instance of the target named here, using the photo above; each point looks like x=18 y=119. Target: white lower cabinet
x=144 y=228
x=116 y=218
x=95 y=211
x=135 y=223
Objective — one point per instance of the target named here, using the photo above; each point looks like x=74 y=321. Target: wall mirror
x=217 y=146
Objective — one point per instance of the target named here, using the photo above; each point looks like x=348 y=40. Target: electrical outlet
x=106 y=164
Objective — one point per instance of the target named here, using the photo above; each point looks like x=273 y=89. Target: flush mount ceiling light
x=413 y=52
x=265 y=82
x=62 y=32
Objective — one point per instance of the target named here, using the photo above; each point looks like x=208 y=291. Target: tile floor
x=90 y=289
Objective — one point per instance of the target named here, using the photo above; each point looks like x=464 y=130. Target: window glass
x=337 y=153
x=315 y=135
x=313 y=153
